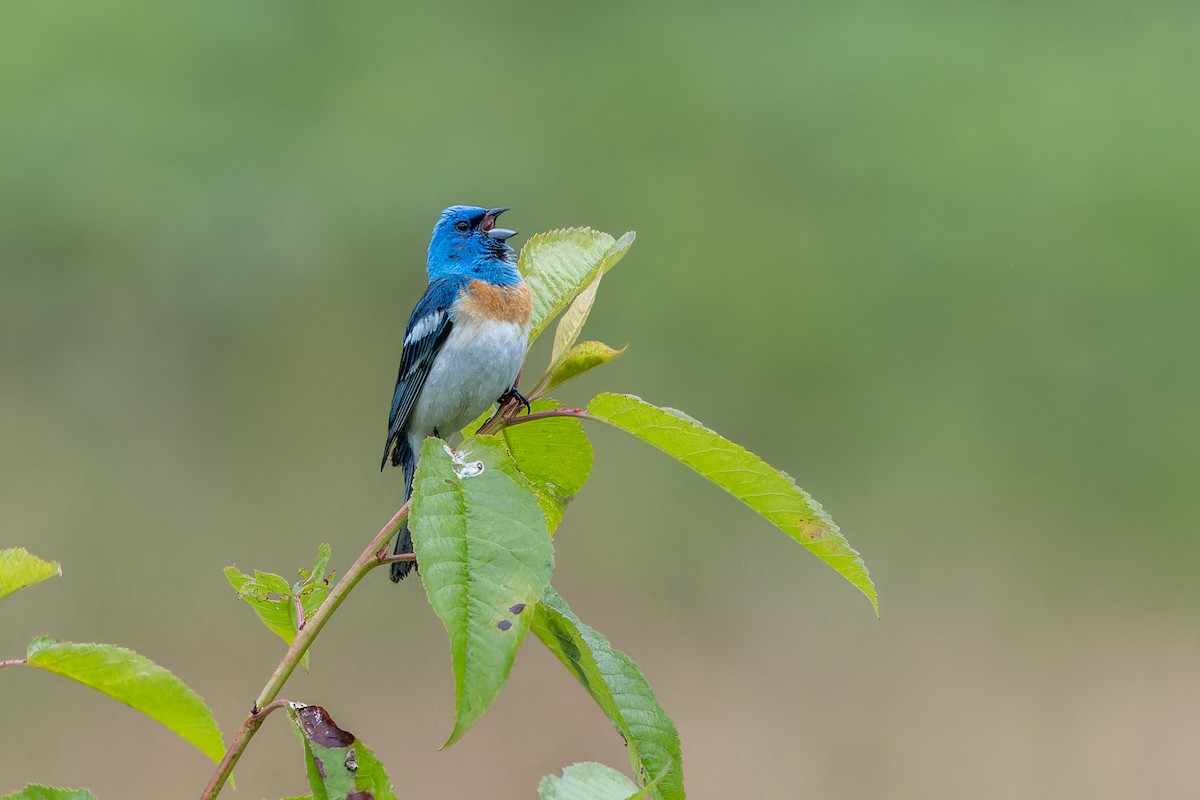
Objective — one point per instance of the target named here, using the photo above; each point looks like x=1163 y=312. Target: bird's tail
x=404 y=543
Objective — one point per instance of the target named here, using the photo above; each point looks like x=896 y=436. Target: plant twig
x=249 y=727
x=576 y=413
x=509 y=414
x=13 y=662
x=298 y=607
x=266 y=702
x=503 y=416
x=397 y=558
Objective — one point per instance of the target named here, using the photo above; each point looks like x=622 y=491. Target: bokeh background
x=937 y=260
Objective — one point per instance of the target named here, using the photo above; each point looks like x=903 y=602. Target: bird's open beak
x=488 y=226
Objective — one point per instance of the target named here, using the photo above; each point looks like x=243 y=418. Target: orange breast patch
x=503 y=303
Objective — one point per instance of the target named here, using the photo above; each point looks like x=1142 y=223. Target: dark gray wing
x=427 y=330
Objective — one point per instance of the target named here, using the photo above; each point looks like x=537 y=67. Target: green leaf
x=578 y=360
x=560 y=264
x=554 y=455
x=274 y=600
x=571 y=323
x=485 y=557
x=19 y=568
x=770 y=492
x=314 y=579
x=588 y=781
x=137 y=682
x=270 y=601
x=338 y=764
x=618 y=686
x=36 y=791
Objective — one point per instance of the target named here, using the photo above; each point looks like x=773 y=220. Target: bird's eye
x=461 y=226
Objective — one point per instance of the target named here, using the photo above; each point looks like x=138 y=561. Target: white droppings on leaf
x=462 y=467
x=470 y=469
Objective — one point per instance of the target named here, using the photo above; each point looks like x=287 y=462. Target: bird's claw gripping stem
x=514 y=394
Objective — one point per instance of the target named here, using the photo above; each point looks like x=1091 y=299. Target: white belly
x=478 y=362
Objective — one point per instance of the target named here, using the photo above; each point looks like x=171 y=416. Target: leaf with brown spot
x=482 y=543
x=339 y=767
x=618 y=686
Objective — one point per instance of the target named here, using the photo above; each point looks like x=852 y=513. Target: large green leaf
x=19 y=568
x=281 y=606
x=38 y=792
x=338 y=765
x=770 y=492
x=485 y=555
x=137 y=682
x=618 y=686
x=560 y=264
x=554 y=455
x=591 y=781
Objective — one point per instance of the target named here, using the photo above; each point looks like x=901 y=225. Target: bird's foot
x=514 y=394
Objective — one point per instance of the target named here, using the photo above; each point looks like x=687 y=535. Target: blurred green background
x=937 y=260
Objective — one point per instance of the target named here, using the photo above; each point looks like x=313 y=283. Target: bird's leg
x=514 y=394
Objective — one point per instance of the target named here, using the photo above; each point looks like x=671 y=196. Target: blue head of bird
x=467 y=244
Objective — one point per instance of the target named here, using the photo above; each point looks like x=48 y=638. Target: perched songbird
x=464 y=344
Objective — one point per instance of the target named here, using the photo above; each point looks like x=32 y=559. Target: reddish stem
x=396 y=558
x=250 y=726
x=576 y=413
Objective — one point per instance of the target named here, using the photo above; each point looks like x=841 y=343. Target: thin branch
x=274 y=705
x=509 y=414
x=576 y=413
x=298 y=607
x=367 y=560
x=249 y=727
x=13 y=662
x=394 y=559
x=503 y=416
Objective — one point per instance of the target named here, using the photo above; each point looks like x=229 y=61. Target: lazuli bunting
x=464 y=343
